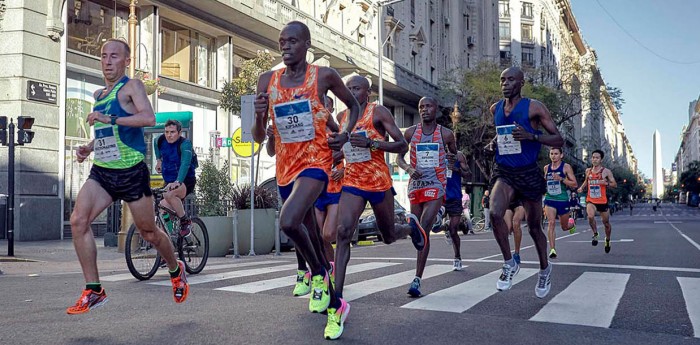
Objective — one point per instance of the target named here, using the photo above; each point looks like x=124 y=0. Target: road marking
x=667 y=222
x=461 y=297
x=521 y=249
x=591 y=300
x=163 y=272
x=368 y=287
x=208 y=278
x=479 y=240
x=684 y=235
x=620 y=240
x=269 y=284
x=691 y=291
x=558 y=263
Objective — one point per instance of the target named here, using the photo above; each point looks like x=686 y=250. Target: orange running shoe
x=180 y=286
x=88 y=300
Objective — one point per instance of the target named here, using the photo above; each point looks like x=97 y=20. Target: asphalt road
x=645 y=291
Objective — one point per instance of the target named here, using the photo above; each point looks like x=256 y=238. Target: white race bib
x=553 y=187
x=356 y=154
x=428 y=155
x=594 y=192
x=506 y=144
x=294 y=121
x=105 y=145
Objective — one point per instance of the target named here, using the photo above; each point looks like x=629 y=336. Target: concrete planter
x=264 y=240
x=220 y=229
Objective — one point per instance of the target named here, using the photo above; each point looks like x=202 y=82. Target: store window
x=187 y=54
x=92 y=22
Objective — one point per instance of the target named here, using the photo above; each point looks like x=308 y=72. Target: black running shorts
x=453 y=207
x=128 y=184
x=528 y=182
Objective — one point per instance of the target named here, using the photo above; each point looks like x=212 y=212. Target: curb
x=14 y=259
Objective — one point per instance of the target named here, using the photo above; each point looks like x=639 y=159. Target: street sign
x=247 y=115
x=42 y=92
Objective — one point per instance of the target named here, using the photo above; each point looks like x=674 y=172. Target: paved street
x=645 y=291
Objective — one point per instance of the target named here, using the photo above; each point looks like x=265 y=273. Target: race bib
x=594 y=192
x=506 y=144
x=553 y=187
x=428 y=155
x=294 y=121
x=356 y=154
x=105 y=145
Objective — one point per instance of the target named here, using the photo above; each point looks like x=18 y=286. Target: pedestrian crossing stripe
x=208 y=278
x=691 y=293
x=368 y=287
x=164 y=273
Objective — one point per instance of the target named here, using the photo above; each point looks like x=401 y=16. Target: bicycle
x=479 y=223
x=143 y=259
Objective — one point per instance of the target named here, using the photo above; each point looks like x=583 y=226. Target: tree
x=690 y=178
x=616 y=96
x=246 y=81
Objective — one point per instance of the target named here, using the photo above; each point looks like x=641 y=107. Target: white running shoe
x=544 y=282
x=457 y=265
x=505 y=281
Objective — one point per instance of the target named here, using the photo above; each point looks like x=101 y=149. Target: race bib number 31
x=428 y=155
x=105 y=145
x=356 y=154
x=294 y=121
x=506 y=144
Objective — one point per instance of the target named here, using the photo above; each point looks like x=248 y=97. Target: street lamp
x=381 y=42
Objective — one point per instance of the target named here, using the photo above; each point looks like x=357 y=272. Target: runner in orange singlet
x=291 y=97
x=367 y=176
x=598 y=179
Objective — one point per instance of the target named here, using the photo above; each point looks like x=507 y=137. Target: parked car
x=367 y=225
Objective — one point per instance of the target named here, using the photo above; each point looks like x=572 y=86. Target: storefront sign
x=240 y=147
x=42 y=92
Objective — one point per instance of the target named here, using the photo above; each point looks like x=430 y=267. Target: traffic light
x=3 y=130
x=25 y=134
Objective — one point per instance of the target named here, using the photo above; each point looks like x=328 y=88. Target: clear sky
x=657 y=91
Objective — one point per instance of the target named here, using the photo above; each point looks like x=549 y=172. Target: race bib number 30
x=105 y=145
x=428 y=155
x=595 y=192
x=294 y=121
x=356 y=154
x=506 y=144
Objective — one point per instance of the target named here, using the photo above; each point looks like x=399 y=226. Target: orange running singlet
x=299 y=121
x=596 y=190
x=366 y=169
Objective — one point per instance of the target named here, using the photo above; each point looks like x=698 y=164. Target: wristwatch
x=373 y=145
x=537 y=137
x=113 y=120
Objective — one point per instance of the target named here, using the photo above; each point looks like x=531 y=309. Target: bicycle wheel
x=142 y=258
x=194 y=249
x=478 y=224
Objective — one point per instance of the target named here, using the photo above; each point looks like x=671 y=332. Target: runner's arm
x=270 y=145
x=144 y=116
x=570 y=180
x=400 y=159
x=337 y=86
x=185 y=160
x=554 y=138
x=611 y=179
x=464 y=168
x=585 y=182
x=399 y=145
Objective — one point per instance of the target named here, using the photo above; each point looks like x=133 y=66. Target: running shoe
x=303 y=286
x=438 y=219
x=505 y=281
x=87 y=301
x=544 y=283
x=185 y=228
x=594 y=242
x=516 y=257
x=448 y=238
x=457 y=265
x=607 y=245
x=414 y=289
x=332 y=273
x=336 y=320
x=552 y=253
x=418 y=235
x=572 y=226
x=180 y=286
x=320 y=298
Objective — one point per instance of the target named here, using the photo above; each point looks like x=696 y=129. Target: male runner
x=121 y=111
x=598 y=179
x=453 y=204
x=432 y=149
x=367 y=177
x=516 y=175
x=292 y=97
x=559 y=176
x=514 y=216
x=174 y=154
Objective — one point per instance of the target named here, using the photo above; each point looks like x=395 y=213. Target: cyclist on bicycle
x=176 y=162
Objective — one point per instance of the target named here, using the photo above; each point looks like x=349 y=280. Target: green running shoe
x=607 y=245
x=320 y=299
x=336 y=321
x=332 y=274
x=594 y=241
x=302 y=286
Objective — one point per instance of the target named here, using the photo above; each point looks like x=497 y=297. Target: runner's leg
x=144 y=219
x=428 y=212
x=330 y=230
x=533 y=214
x=501 y=196
x=590 y=211
x=352 y=206
x=551 y=225
x=453 y=228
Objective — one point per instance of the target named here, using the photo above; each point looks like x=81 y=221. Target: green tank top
x=556 y=190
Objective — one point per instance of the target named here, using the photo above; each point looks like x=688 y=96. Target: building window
x=504 y=30
x=413 y=62
x=360 y=38
x=466 y=22
x=526 y=10
x=187 y=54
x=389 y=48
x=526 y=33
x=505 y=57
x=413 y=11
x=92 y=22
x=503 y=9
x=528 y=56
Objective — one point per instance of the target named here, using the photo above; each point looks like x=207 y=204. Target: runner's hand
x=337 y=157
x=159 y=167
x=415 y=174
x=357 y=140
x=338 y=174
x=520 y=134
x=97 y=116
x=336 y=141
x=83 y=153
x=270 y=132
x=451 y=157
x=173 y=186
x=261 y=103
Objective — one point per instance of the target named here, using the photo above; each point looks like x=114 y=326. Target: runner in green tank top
x=559 y=176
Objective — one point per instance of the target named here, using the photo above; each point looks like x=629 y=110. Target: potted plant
x=264 y=213
x=214 y=189
x=152 y=85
